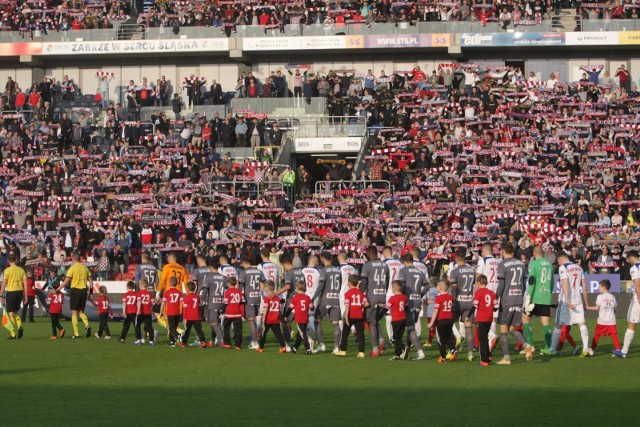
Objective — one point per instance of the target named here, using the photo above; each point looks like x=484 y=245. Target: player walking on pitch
x=633 y=315
x=511 y=288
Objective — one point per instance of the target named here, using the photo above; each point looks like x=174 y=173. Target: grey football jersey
x=292 y=277
x=330 y=284
x=374 y=281
x=464 y=277
x=213 y=287
x=198 y=275
x=149 y=272
x=250 y=280
x=511 y=279
x=414 y=285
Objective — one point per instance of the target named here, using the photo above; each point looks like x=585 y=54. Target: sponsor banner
x=327 y=145
x=385 y=41
x=135 y=46
x=591 y=38
x=593 y=283
x=17 y=49
x=629 y=37
x=294 y=43
x=511 y=39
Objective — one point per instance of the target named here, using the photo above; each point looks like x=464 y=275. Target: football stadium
x=356 y=212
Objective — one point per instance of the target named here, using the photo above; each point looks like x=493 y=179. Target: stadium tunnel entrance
x=319 y=165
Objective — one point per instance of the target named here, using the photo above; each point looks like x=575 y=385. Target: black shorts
x=541 y=310
x=78 y=300
x=14 y=299
x=155 y=308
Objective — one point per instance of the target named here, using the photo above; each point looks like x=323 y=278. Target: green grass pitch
x=89 y=382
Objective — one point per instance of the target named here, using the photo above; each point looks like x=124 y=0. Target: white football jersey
x=422 y=267
x=311 y=279
x=607 y=311
x=270 y=271
x=489 y=267
x=635 y=275
x=573 y=274
x=228 y=271
x=394 y=268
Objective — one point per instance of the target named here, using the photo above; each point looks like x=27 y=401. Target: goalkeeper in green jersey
x=539 y=295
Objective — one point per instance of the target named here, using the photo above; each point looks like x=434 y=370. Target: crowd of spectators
x=471 y=155
x=28 y=17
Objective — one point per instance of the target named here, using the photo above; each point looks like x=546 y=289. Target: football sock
x=336 y=334
x=528 y=333
x=456 y=332
x=415 y=340
x=504 y=340
x=74 y=322
x=594 y=341
x=584 y=334
x=518 y=335
x=380 y=334
x=555 y=339
x=254 y=331
x=387 y=321
x=14 y=328
x=218 y=330
x=84 y=319
x=213 y=335
x=320 y=333
x=373 y=335
x=628 y=337
x=469 y=333
x=616 y=341
x=18 y=321
x=547 y=335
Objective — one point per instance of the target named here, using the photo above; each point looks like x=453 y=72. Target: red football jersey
x=397 y=304
x=172 y=299
x=31 y=287
x=301 y=303
x=130 y=302
x=355 y=299
x=145 y=298
x=485 y=302
x=272 y=310
x=55 y=300
x=444 y=304
x=234 y=300
x=191 y=307
x=104 y=305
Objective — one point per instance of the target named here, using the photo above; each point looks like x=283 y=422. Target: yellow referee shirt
x=78 y=274
x=15 y=277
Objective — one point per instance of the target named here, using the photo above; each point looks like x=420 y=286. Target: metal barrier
x=359 y=185
x=244 y=188
x=331 y=126
x=282 y=107
x=132 y=32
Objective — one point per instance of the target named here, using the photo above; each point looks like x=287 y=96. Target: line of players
x=522 y=293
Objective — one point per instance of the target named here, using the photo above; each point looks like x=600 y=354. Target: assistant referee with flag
x=15 y=285
x=81 y=288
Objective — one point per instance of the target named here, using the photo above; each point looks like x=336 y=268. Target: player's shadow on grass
x=352 y=406
x=22 y=371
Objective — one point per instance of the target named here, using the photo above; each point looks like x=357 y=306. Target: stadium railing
x=315 y=30
x=281 y=106
x=333 y=187
x=331 y=126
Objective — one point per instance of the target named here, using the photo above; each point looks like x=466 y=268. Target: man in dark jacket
x=280 y=85
x=216 y=93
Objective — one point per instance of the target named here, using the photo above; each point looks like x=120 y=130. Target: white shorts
x=633 y=315
x=568 y=316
